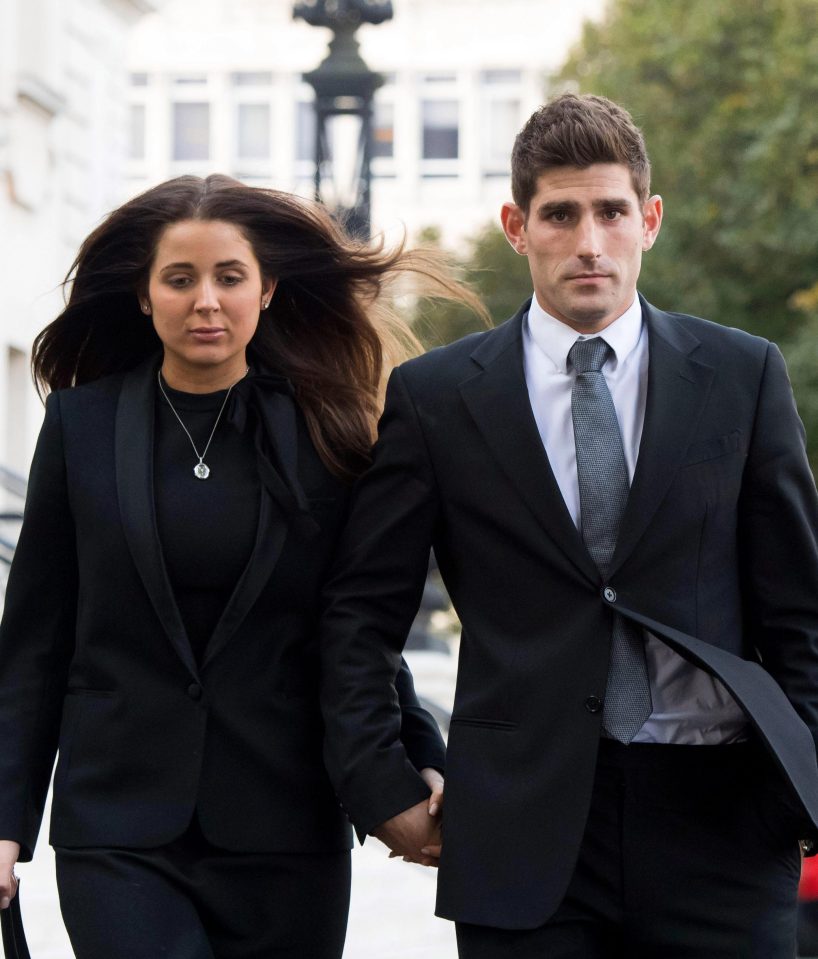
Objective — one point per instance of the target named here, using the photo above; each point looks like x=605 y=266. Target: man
x=622 y=509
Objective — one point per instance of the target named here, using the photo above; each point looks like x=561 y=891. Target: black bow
x=267 y=400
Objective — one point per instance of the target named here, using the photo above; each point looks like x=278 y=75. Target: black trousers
x=189 y=900
x=690 y=852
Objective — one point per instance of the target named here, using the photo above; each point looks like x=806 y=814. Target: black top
x=207 y=528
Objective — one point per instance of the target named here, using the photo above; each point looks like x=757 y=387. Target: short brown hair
x=578 y=131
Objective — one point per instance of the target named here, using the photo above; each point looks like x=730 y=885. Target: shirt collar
x=555 y=338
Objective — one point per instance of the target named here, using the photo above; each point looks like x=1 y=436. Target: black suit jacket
x=94 y=657
x=717 y=555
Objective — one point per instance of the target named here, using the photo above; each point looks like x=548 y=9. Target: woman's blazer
x=95 y=661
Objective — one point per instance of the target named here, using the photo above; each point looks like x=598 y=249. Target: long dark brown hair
x=329 y=329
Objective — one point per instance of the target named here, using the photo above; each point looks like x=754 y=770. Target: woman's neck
x=201 y=380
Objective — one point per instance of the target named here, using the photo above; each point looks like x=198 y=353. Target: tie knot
x=588 y=356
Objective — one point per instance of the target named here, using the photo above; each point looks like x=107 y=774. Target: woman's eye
x=178 y=282
x=231 y=279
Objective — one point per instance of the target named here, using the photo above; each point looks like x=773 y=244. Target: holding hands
x=415 y=833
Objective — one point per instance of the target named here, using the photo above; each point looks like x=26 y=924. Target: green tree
x=496 y=273
x=726 y=95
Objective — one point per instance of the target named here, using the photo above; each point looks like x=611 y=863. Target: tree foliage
x=497 y=274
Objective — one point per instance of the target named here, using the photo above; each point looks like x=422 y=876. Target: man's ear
x=513 y=220
x=651 y=221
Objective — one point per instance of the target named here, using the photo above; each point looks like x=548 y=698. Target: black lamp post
x=344 y=88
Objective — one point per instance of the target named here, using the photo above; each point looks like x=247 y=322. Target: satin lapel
x=497 y=399
x=134 y=481
x=678 y=387
x=272 y=530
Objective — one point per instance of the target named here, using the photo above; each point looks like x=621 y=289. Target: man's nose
x=588 y=239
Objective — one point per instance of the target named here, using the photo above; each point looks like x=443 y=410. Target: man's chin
x=588 y=319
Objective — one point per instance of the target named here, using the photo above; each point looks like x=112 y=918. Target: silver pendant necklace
x=201 y=470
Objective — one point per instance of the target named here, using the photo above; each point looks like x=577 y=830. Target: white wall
x=62 y=140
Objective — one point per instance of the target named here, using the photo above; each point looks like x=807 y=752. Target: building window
x=383 y=130
x=305 y=131
x=190 y=79
x=259 y=78
x=494 y=77
x=139 y=79
x=136 y=139
x=441 y=132
x=191 y=131
x=502 y=123
x=253 y=131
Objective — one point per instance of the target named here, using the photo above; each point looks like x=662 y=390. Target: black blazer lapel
x=678 y=387
x=134 y=481
x=497 y=399
x=273 y=526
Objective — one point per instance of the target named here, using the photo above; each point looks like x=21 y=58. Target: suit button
x=593 y=704
x=194 y=690
x=609 y=594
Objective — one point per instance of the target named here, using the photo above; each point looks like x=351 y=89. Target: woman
x=215 y=380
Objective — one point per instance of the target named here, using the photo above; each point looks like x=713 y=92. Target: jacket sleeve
x=778 y=544
x=369 y=603
x=36 y=639
x=419 y=732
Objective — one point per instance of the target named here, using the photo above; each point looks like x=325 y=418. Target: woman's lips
x=207 y=334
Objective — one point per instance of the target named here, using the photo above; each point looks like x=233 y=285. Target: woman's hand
x=9 y=854
x=434 y=781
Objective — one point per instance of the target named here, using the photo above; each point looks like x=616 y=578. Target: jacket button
x=194 y=690
x=609 y=594
x=593 y=704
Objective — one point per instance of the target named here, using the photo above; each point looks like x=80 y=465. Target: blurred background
x=100 y=99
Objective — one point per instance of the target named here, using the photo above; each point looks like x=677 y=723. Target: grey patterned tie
x=603 y=493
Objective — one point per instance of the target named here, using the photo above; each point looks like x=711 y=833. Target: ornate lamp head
x=337 y=14
x=344 y=87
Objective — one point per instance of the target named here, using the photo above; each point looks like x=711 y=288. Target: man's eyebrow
x=571 y=206
x=612 y=202
x=557 y=206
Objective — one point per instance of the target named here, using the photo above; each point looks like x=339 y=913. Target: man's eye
x=559 y=216
x=612 y=214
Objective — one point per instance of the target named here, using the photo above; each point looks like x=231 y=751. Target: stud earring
x=146 y=308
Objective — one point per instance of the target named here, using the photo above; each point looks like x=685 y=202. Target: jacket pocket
x=713 y=448
x=501 y=725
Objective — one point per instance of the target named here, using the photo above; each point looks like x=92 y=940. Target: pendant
x=201 y=471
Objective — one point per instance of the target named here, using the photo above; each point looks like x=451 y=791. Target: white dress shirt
x=689 y=705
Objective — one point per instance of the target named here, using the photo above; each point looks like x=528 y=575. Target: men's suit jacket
x=94 y=657
x=717 y=555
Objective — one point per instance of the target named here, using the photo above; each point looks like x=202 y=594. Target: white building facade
x=216 y=86
x=63 y=145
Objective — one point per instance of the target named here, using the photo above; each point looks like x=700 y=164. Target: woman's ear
x=268 y=287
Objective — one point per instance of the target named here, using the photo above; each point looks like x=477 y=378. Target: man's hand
x=9 y=854
x=411 y=831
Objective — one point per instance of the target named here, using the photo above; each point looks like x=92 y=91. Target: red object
x=808 y=888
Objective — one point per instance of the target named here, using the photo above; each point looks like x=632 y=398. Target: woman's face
x=205 y=293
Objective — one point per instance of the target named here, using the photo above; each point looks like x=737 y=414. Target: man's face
x=584 y=237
